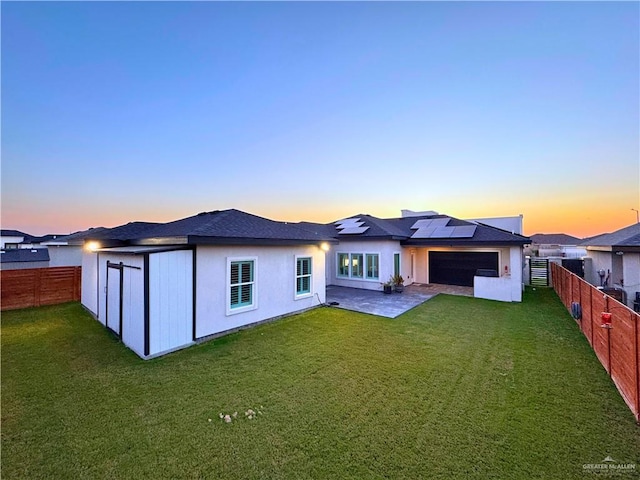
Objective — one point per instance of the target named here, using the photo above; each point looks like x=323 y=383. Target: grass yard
x=456 y=388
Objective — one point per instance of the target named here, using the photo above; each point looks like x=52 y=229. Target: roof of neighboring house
x=554 y=239
x=217 y=227
x=44 y=238
x=121 y=233
x=13 y=233
x=436 y=229
x=25 y=255
x=76 y=238
x=625 y=237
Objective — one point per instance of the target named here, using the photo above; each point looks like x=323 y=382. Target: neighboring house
x=555 y=245
x=424 y=249
x=36 y=242
x=615 y=261
x=21 y=258
x=66 y=251
x=164 y=287
x=10 y=239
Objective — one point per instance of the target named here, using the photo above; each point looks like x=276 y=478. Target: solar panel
x=463 y=231
x=349 y=222
x=353 y=230
x=351 y=226
x=431 y=222
x=442 y=232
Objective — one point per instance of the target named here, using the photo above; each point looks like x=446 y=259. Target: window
x=303 y=275
x=372 y=266
x=357 y=266
x=241 y=284
x=343 y=264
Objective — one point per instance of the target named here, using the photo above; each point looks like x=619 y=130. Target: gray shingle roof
x=123 y=232
x=625 y=237
x=25 y=255
x=554 y=239
x=13 y=233
x=217 y=227
x=401 y=229
x=76 y=238
x=237 y=227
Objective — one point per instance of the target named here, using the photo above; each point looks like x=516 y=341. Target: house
x=615 y=261
x=31 y=241
x=21 y=258
x=426 y=247
x=555 y=245
x=161 y=287
x=10 y=239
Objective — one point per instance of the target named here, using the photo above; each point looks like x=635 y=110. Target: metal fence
x=611 y=329
x=34 y=287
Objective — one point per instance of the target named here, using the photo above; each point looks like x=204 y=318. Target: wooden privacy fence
x=33 y=287
x=615 y=344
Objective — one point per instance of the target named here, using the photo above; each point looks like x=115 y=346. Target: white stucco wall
x=89 y=294
x=506 y=288
x=384 y=248
x=631 y=275
x=600 y=260
x=65 y=255
x=274 y=278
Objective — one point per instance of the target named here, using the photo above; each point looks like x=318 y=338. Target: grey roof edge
x=628 y=236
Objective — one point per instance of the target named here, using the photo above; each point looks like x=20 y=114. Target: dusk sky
x=121 y=111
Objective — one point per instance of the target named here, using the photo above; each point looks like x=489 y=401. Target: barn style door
x=115 y=284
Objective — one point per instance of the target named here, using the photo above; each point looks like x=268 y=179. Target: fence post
x=591 y=315
x=606 y=309
x=36 y=288
x=637 y=361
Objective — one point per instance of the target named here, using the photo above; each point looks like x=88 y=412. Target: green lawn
x=456 y=388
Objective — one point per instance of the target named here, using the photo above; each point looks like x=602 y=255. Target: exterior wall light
x=92 y=246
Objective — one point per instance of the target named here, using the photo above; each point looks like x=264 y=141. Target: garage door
x=459 y=268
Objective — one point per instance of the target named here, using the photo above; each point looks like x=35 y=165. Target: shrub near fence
x=34 y=287
x=616 y=345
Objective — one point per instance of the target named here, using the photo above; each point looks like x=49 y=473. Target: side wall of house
x=631 y=273
x=274 y=285
x=601 y=260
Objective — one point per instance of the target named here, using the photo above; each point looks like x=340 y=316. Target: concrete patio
x=377 y=303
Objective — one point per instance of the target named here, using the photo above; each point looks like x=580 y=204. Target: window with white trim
x=359 y=265
x=303 y=276
x=343 y=264
x=241 y=283
x=373 y=266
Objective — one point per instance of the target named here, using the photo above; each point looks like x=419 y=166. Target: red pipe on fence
x=611 y=328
